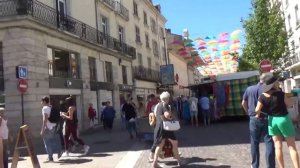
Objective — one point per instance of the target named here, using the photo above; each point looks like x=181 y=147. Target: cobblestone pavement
x=223 y=145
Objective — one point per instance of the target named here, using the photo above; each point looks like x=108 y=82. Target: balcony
x=122 y=11
x=142 y=73
x=48 y=16
x=110 y=3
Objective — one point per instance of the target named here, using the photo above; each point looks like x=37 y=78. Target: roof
x=237 y=75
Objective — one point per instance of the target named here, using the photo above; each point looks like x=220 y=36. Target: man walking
x=48 y=131
x=204 y=104
x=258 y=127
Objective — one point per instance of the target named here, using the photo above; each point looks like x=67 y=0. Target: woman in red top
x=92 y=115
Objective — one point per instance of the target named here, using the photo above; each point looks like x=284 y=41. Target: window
x=149 y=63
x=109 y=72
x=147 y=40
x=161 y=33
x=135 y=9
x=293 y=47
x=124 y=74
x=121 y=34
x=289 y=22
x=104 y=24
x=137 y=35
x=92 y=66
x=145 y=18
x=153 y=26
x=140 y=59
x=1 y=70
x=155 y=48
x=296 y=15
x=63 y=64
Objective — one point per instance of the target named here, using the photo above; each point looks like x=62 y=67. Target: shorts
x=281 y=126
x=194 y=113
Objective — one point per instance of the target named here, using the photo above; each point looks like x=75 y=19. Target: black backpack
x=54 y=116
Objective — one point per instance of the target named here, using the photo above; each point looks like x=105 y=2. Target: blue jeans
x=51 y=142
x=259 y=129
x=131 y=127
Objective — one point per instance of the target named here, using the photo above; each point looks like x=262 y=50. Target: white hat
x=268 y=85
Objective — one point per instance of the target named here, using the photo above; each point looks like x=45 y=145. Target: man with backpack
x=48 y=130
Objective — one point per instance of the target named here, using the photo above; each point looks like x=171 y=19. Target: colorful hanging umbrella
x=236 y=32
x=200 y=43
x=212 y=42
x=199 y=39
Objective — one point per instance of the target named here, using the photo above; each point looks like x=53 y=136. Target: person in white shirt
x=48 y=132
x=4 y=136
x=193 y=101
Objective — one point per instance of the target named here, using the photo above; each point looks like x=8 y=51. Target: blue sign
x=167 y=74
x=22 y=72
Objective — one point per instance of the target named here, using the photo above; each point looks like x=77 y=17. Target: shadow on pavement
x=188 y=161
x=219 y=133
x=205 y=166
x=73 y=161
x=97 y=155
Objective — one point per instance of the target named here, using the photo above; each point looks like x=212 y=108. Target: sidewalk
x=107 y=150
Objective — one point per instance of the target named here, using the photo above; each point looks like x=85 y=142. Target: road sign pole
x=22 y=106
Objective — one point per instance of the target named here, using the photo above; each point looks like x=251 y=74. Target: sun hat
x=268 y=85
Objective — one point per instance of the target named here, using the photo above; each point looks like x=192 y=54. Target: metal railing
x=122 y=10
x=143 y=73
x=49 y=16
x=110 y=3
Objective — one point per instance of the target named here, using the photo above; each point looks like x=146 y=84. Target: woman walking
x=71 y=126
x=161 y=135
x=274 y=102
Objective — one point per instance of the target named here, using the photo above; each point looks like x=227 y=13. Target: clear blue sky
x=204 y=17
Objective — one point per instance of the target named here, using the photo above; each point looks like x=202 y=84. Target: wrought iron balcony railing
x=140 y=72
x=51 y=17
x=110 y=3
x=120 y=9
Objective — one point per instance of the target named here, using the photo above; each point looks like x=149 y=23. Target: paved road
x=223 y=145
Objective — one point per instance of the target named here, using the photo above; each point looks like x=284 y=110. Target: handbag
x=171 y=125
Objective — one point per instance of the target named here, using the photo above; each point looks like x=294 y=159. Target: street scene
x=149 y=83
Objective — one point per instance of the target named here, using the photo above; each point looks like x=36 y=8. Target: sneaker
x=65 y=154
x=86 y=149
x=48 y=160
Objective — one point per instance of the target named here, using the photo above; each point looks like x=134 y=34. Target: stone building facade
x=67 y=52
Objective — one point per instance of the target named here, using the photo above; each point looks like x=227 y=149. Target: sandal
x=150 y=159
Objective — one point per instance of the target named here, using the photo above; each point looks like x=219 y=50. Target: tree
x=266 y=37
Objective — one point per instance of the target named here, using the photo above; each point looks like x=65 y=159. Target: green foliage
x=266 y=37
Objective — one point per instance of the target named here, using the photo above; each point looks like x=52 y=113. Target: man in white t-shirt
x=193 y=101
x=48 y=132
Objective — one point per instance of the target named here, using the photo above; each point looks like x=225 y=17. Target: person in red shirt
x=150 y=105
x=91 y=114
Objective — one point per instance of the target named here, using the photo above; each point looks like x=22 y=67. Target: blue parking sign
x=22 y=72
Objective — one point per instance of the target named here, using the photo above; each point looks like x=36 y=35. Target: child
x=4 y=136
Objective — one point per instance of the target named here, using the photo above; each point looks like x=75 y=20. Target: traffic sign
x=21 y=72
x=23 y=85
x=265 y=66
